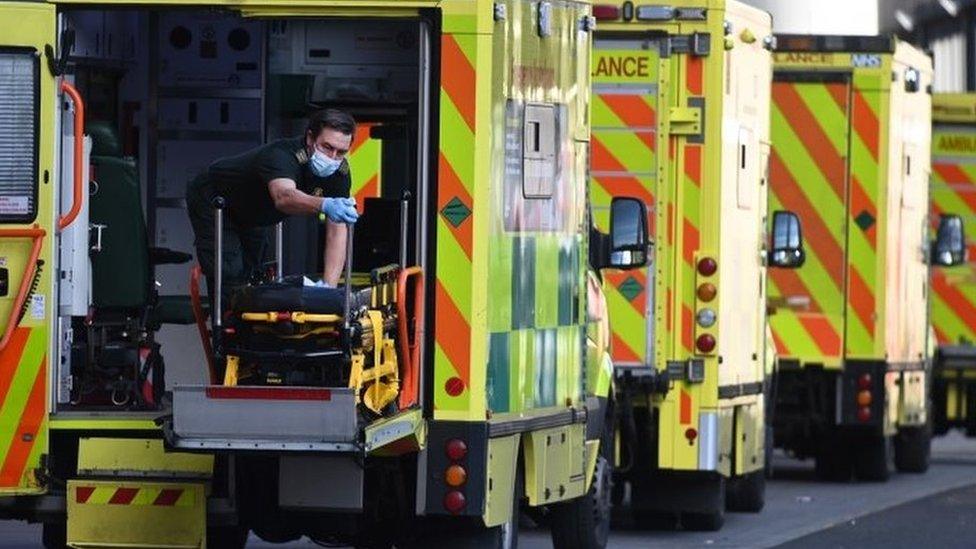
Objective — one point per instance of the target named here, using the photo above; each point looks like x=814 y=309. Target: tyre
x=54 y=535
x=747 y=493
x=873 y=458
x=584 y=523
x=913 y=448
x=227 y=537
x=714 y=493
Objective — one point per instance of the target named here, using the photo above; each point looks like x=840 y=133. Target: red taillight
x=864 y=381
x=707 y=266
x=456 y=449
x=283 y=317
x=864 y=414
x=454 y=501
x=691 y=434
x=606 y=12
x=705 y=343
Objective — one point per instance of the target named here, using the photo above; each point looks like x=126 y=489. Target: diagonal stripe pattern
x=824 y=167
x=623 y=163
x=953 y=300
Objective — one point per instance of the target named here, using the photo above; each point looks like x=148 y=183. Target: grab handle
x=79 y=156
x=410 y=351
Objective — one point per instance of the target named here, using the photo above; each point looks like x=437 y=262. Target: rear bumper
x=278 y=419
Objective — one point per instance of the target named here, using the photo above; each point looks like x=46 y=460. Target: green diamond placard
x=456 y=212
x=630 y=288
x=864 y=220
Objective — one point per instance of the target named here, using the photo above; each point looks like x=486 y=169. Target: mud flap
x=136 y=514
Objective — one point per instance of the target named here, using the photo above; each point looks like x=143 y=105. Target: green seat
x=120 y=271
x=122 y=275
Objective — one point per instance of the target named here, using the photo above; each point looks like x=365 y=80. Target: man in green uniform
x=306 y=175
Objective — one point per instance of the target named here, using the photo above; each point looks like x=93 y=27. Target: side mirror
x=949 y=248
x=787 y=247
x=628 y=233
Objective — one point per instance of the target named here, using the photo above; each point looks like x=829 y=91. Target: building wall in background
x=822 y=16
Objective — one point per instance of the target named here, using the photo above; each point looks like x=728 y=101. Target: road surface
x=937 y=509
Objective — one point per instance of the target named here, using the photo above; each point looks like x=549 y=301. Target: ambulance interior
x=160 y=107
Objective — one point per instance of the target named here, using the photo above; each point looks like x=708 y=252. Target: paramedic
x=305 y=175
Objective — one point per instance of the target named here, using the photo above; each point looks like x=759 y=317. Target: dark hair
x=334 y=119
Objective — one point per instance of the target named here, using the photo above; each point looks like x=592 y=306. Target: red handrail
x=202 y=322
x=37 y=234
x=79 y=156
x=410 y=351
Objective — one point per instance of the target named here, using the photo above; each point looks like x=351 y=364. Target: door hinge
x=685 y=120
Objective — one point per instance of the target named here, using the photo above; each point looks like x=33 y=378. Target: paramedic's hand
x=340 y=210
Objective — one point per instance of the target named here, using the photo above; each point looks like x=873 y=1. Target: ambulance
x=680 y=118
x=851 y=126
x=464 y=374
x=953 y=315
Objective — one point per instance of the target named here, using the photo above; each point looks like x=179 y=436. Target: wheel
x=747 y=493
x=226 y=537
x=833 y=460
x=710 y=521
x=913 y=448
x=584 y=523
x=618 y=492
x=54 y=535
x=872 y=459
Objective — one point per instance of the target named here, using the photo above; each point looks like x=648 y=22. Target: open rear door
x=27 y=227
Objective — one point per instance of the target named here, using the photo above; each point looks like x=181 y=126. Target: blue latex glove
x=340 y=210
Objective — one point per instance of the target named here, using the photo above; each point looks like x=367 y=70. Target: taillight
x=454 y=501
x=456 y=449
x=864 y=414
x=705 y=343
x=864 y=398
x=707 y=266
x=864 y=381
x=606 y=12
x=455 y=476
x=691 y=434
x=706 y=292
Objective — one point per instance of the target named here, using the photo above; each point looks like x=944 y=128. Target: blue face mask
x=323 y=166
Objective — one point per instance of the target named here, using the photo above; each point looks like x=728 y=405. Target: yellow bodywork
x=704 y=170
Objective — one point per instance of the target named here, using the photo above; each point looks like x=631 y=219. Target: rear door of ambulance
x=623 y=162
x=808 y=172
x=27 y=232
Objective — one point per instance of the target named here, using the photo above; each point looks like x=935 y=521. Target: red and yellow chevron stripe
x=953 y=301
x=455 y=224
x=23 y=410
x=365 y=164
x=622 y=163
x=834 y=192
x=146 y=496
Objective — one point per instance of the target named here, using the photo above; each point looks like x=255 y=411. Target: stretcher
x=303 y=367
